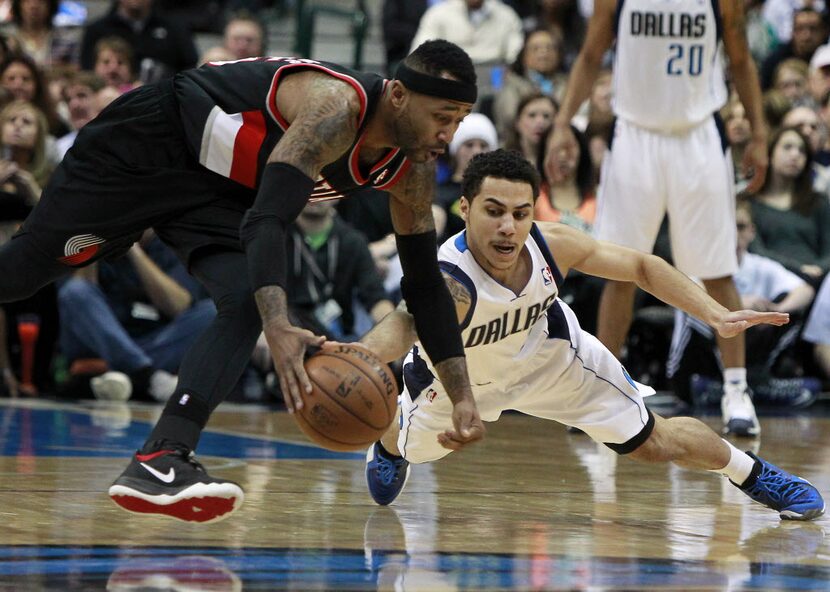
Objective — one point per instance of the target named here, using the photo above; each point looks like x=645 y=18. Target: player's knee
x=239 y=307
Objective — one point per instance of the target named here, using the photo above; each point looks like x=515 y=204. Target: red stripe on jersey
x=82 y=256
x=246 y=147
x=397 y=176
x=272 y=92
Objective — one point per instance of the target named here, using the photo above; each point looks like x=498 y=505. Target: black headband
x=444 y=88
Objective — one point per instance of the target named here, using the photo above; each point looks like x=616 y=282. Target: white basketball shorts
x=688 y=174
x=574 y=381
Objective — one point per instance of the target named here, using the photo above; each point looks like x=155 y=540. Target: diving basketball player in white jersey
x=525 y=349
x=669 y=154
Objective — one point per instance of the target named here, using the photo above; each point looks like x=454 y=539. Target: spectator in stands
x=790 y=79
x=779 y=14
x=760 y=34
x=488 y=30
x=475 y=135
x=25 y=160
x=763 y=285
x=792 y=220
x=819 y=75
x=537 y=69
x=564 y=19
x=809 y=32
x=245 y=37
x=807 y=121
x=81 y=99
x=114 y=63
x=32 y=25
x=571 y=201
x=738 y=133
x=139 y=313
x=331 y=271
x=817 y=329
x=533 y=119
x=161 y=46
x=24 y=80
x=399 y=22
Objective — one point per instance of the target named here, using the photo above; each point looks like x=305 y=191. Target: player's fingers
x=286 y=393
x=302 y=377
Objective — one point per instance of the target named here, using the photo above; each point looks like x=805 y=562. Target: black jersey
x=231 y=122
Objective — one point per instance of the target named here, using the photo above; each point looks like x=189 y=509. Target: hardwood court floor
x=532 y=508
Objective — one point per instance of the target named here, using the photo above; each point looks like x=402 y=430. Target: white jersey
x=503 y=329
x=668 y=71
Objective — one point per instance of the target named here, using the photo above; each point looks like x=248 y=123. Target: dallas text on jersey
x=659 y=24
x=509 y=323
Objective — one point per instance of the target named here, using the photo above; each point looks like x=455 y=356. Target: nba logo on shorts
x=431 y=394
x=547 y=275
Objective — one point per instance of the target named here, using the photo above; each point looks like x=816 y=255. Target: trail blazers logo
x=80 y=249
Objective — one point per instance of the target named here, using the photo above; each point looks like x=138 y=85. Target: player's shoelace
x=778 y=488
x=388 y=470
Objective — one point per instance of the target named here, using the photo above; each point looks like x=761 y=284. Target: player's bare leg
x=691 y=444
x=736 y=405
x=616 y=309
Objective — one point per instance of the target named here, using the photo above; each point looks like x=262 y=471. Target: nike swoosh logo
x=164 y=477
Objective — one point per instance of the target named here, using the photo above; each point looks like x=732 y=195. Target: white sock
x=736 y=376
x=739 y=466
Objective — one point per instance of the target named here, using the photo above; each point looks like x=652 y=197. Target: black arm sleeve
x=283 y=192
x=428 y=298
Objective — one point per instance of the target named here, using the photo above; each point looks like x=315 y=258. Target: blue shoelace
x=777 y=486
x=387 y=470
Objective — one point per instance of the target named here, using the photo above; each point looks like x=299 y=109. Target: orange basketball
x=353 y=401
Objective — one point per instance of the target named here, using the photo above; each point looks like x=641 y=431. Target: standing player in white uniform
x=526 y=351
x=669 y=154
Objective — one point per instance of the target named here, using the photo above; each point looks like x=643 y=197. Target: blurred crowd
x=119 y=328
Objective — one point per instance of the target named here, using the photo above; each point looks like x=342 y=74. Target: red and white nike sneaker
x=169 y=481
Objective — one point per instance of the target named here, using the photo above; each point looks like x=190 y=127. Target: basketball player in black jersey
x=219 y=160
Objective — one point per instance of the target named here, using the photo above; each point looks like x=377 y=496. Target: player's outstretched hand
x=755 y=163
x=288 y=346
x=467 y=423
x=738 y=321
x=561 y=143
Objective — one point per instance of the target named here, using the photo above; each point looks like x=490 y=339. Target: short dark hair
x=438 y=56
x=502 y=164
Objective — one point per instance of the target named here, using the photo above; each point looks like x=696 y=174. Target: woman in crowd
x=537 y=69
x=33 y=27
x=534 y=118
x=24 y=80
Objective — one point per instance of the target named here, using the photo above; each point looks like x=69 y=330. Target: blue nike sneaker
x=792 y=497
x=386 y=474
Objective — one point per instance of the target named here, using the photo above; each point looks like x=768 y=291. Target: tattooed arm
x=393 y=336
x=430 y=301
x=323 y=115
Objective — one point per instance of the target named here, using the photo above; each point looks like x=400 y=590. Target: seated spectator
x=114 y=63
x=399 y=22
x=244 y=37
x=139 y=313
x=807 y=121
x=81 y=99
x=330 y=271
x=809 y=32
x=563 y=18
x=792 y=220
x=488 y=30
x=738 y=133
x=161 y=46
x=817 y=330
x=32 y=25
x=779 y=14
x=760 y=34
x=597 y=109
x=571 y=201
x=25 y=81
x=538 y=69
x=819 y=75
x=25 y=163
x=790 y=79
x=534 y=117
x=763 y=285
x=475 y=135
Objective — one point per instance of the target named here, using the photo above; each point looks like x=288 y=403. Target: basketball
x=353 y=400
